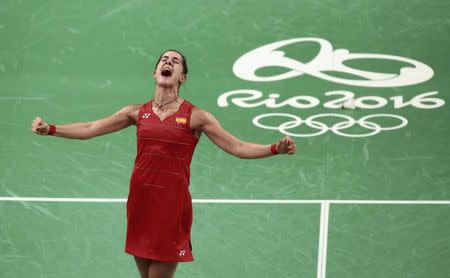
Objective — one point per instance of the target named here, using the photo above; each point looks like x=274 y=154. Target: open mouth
x=166 y=72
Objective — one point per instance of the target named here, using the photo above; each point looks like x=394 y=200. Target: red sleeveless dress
x=159 y=207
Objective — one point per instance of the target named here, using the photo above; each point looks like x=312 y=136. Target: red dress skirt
x=159 y=207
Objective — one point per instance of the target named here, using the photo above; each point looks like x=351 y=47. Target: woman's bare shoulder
x=131 y=111
x=200 y=117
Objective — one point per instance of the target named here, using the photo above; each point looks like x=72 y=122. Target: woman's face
x=169 y=70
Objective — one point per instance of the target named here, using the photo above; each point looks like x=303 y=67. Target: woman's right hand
x=39 y=127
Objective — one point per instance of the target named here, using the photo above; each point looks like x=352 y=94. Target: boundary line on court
x=233 y=201
x=323 y=239
x=324 y=211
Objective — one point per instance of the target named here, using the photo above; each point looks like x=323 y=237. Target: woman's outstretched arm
x=86 y=130
x=205 y=122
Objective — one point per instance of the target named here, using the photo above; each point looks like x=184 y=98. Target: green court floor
x=366 y=195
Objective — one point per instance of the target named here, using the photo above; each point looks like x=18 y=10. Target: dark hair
x=184 y=62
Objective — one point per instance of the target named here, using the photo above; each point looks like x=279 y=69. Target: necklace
x=158 y=106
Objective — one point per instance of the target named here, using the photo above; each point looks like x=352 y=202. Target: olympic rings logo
x=347 y=122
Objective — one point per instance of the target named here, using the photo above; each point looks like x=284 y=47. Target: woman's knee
x=162 y=269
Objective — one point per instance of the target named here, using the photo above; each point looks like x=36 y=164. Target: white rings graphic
x=312 y=122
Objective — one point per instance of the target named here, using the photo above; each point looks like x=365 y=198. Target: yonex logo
x=146 y=115
x=181 y=253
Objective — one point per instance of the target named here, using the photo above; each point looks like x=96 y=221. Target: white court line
x=63 y=200
x=390 y=202
x=324 y=211
x=5 y=98
x=235 y=201
x=323 y=239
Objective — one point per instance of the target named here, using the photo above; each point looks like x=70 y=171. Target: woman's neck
x=165 y=97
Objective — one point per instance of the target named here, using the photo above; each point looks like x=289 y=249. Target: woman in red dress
x=159 y=207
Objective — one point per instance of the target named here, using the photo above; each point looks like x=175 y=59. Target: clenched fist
x=39 y=127
x=286 y=145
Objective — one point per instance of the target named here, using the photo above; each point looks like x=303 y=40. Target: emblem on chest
x=146 y=115
x=181 y=120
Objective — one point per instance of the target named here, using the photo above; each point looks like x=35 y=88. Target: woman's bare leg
x=162 y=269
x=143 y=266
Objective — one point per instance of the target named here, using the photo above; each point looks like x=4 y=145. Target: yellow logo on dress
x=181 y=120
